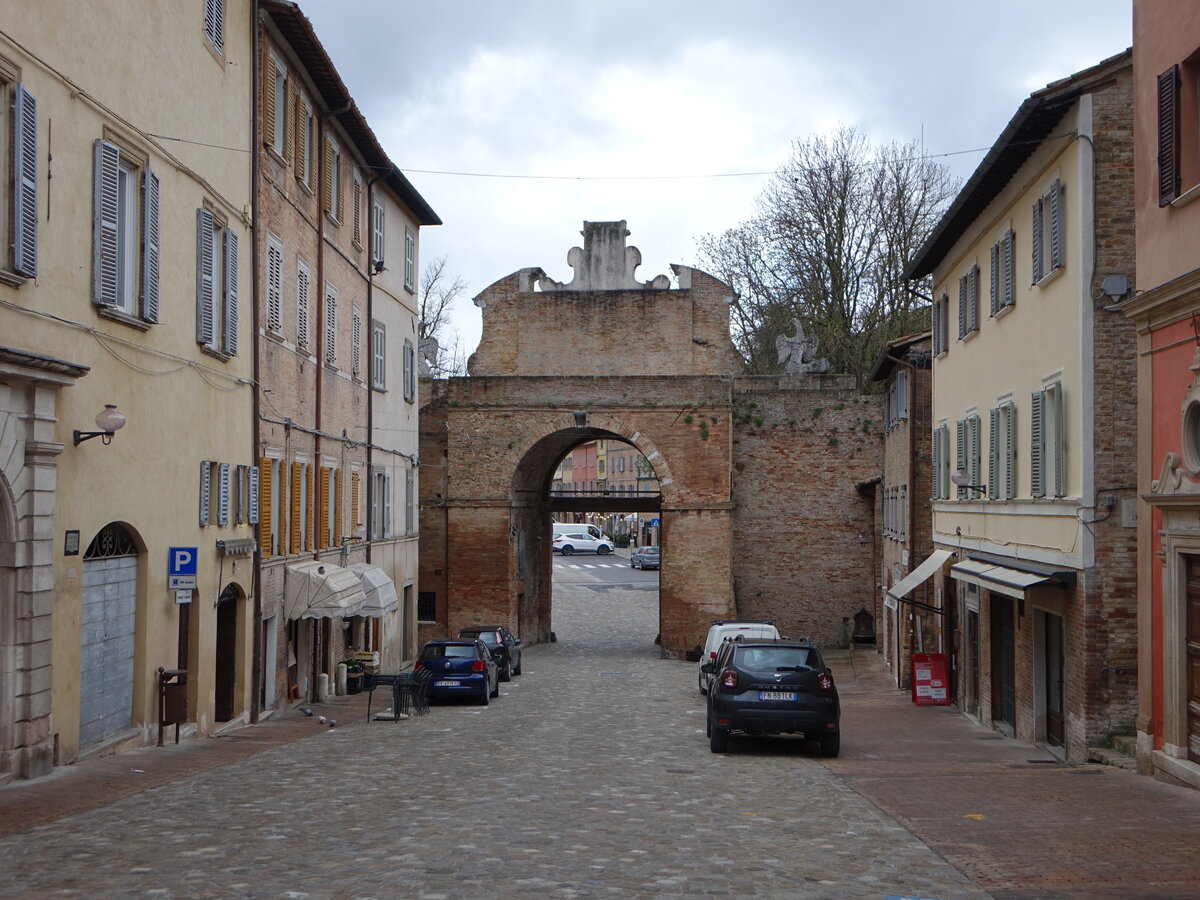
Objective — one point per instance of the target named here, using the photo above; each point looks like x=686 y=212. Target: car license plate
x=776 y=695
x=447 y=684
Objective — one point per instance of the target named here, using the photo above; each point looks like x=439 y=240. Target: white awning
x=380 y=590
x=318 y=590
x=999 y=579
x=920 y=574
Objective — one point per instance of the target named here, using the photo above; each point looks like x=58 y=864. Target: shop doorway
x=226 y=661
x=1054 y=678
x=1004 y=673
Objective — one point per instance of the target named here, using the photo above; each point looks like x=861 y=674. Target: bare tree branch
x=438 y=294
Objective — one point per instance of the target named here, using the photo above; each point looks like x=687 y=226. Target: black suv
x=505 y=647
x=772 y=687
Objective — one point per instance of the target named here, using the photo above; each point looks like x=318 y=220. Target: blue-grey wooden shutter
x=937 y=463
x=205 y=288
x=150 y=255
x=973 y=292
x=1009 y=268
x=223 y=494
x=1060 y=481
x=1056 y=229
x=994 y=452
x=231 y=292
x=995 y=292
x=205 y=491
x=252 y=503
x=1168 y=136
x=937 y=327
x=962 y=307
x=1037 y=241
x=104 y=224
x=961 y=454
x=973 y=460
x=1010 y=450
x=387 y=506
x=1037 y=449
x=409 y=496
x=24 y=183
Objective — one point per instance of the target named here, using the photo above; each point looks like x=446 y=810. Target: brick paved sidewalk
x=97 y=782
x=1010 y=816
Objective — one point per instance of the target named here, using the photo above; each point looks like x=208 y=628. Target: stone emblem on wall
x=604 y=263
x=798 y=353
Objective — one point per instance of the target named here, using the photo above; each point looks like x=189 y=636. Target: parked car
x=726 y=629
x=772 y=687
x=581 y=542
x=460 y=668
x=503 y=644
x=645 y=558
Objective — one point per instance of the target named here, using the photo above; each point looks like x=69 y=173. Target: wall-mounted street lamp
x=963 y=480
x=109 y=421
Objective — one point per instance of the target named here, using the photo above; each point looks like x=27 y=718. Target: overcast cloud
x=602 y=101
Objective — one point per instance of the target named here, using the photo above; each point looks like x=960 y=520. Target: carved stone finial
x=428 y=352
x=798 y=353
x=604 y=263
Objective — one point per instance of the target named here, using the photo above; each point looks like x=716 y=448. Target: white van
x=723 y=630
x=557 y=528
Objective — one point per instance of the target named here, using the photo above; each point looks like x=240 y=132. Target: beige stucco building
x=132 y=236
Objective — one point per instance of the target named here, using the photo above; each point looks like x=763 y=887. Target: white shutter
x=205 y=491
x=1037 y=450
x=223 y=495
x=252 y=508
x=410 y=393
x=24 y=148
x=231 y=292
x=377 y=246
x=205 y=289
x=150 y=252
x=387 y=506
x=104 y=224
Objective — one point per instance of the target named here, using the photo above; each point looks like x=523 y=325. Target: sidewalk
x=1010 y=816
x=97 y=782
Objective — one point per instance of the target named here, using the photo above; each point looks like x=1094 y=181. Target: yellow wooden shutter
x=357 y=211
x=337 y=507
x=341 y=193
x=323 y=510
x=269 y=100
x=329 y=176
x=355 y=519
x=264 y=507
x=299 y=126
x=289 y=134
x=297 y=476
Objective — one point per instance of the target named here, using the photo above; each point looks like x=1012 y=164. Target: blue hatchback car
x=460 y=668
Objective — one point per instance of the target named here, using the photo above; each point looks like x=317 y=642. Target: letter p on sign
x=181 y=561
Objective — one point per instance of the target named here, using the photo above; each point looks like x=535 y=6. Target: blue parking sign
x=181 y=561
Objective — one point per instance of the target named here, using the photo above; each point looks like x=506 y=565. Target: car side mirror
x=708 y=668
x=517 y=642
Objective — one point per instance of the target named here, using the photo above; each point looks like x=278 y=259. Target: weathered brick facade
x=758 y=508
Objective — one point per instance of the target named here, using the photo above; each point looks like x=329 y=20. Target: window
x=381 y=506
x=410 y=260
x=1048 y=232
x=356 y=520
x=968 y=454
x=1002 y=274
x=968 y=303
x=377 y=244
x=356 y=210
x=275 y=105
x=895 y=400
x=274 y=284
x=270 y=497
x=426 y=606
x=329 y=517
x=303 y=277
x=1002 y=451
x=1170 y=176
x=378 y=356
x=1046 y=455
x=330 y=324
x=299 y=513
x=334 y=201
x=410 y=499
x=356 y=345
x=24 y=178
x=125 y=255
x=216 y=284
x=214 y=24
x=941 y=325
x=410 y=379
x=215 y=493
x=304 y=140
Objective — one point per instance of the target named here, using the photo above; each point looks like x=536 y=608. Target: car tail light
x=478 y=665
x=418 y=666
x=825 y=681
x=729 y=679
x=712 y=654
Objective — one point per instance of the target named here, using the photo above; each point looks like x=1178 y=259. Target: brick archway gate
x=651 y=364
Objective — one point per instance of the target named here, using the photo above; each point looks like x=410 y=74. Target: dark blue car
x=460 y=668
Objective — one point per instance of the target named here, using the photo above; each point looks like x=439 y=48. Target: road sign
x=181 y=561
x=655 y=523
x=181 y=582
x=183 y=596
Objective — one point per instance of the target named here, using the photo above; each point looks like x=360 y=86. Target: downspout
x=256 y=657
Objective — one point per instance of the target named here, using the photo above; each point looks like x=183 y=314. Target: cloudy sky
x=518 y=120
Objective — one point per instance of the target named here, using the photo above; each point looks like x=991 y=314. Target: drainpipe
x=256 y=662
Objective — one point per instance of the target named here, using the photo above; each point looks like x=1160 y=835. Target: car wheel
x=567 y=550
x=496 y=692
x=718 y=739
x=603 y=550
x=700 y=682
x=505 y=674
x=484 y=696
x=830 y=744
x=517 y=669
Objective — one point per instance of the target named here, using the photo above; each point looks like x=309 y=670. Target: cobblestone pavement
x=590 y=776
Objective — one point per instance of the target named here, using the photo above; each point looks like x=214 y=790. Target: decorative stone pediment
x=604 y=263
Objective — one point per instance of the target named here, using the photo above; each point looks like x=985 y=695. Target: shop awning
x=920 y=574
x=1000 y=579
x=380 y=590
x=318 y=590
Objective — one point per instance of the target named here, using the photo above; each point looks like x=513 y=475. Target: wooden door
x=1004 y=676
x=1193 y=656
x=1052 y=650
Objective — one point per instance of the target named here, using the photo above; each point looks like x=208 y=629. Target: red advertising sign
x=930 y=684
